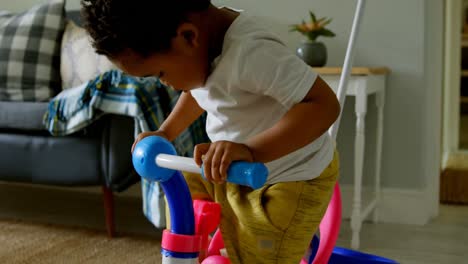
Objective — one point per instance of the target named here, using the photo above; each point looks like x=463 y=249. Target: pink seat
x=216 y=244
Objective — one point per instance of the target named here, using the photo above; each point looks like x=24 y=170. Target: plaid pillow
x=30 y=52
x=79 y=62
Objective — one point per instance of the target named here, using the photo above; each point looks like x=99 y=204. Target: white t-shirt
x=253 y=83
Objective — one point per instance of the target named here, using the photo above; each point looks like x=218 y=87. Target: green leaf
x=327 y=33
x=312 y=16
x=321 y=19
x=293 y=29
x=327 y=22
x=313 y=35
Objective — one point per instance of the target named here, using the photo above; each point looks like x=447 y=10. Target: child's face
x=184 y=67
x=179 y=71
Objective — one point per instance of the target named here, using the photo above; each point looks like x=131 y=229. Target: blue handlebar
x=145 y=152
x=251 y=174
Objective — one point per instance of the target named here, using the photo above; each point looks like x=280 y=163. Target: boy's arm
x=302 y=124
x=185 y=112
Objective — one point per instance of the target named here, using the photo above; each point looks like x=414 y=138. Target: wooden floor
x=443 y=241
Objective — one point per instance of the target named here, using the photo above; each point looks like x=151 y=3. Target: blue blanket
x=147 y=100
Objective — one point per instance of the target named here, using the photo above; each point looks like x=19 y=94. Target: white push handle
x=177 y=163
x=348 y=62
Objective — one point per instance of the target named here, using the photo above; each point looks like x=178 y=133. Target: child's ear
x=188 y=33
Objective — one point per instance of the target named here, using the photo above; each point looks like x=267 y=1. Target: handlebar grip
x=253 y=174
x=145 y=152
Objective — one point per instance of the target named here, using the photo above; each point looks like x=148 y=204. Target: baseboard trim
x=402 y=206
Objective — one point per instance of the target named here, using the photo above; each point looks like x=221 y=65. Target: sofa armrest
x=117 y=139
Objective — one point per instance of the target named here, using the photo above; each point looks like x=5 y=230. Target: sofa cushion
x=22 y=116
x=49 y=160
x=30 y=52
x=79 y=63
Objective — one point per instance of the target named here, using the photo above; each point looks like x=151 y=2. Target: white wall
x=434 y=68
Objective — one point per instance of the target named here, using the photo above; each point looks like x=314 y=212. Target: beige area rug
x=22 y=242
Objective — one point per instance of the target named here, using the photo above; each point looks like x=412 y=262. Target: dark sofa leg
x=109 y=210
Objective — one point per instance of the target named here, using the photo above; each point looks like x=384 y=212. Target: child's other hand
x=147 y=134
x=216 y=158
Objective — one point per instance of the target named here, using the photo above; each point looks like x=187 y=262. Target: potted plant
x=312 y=51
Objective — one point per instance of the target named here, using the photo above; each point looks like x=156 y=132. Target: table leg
x=359 y=144
x=379 y=101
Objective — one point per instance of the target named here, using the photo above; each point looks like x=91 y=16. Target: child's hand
x=216 y=158
x=147 y=134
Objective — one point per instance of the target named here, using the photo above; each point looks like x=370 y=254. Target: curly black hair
x=143 y=26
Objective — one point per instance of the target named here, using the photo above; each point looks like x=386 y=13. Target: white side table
x=362 y=83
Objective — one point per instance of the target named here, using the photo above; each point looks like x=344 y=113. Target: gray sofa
x=96 y=156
